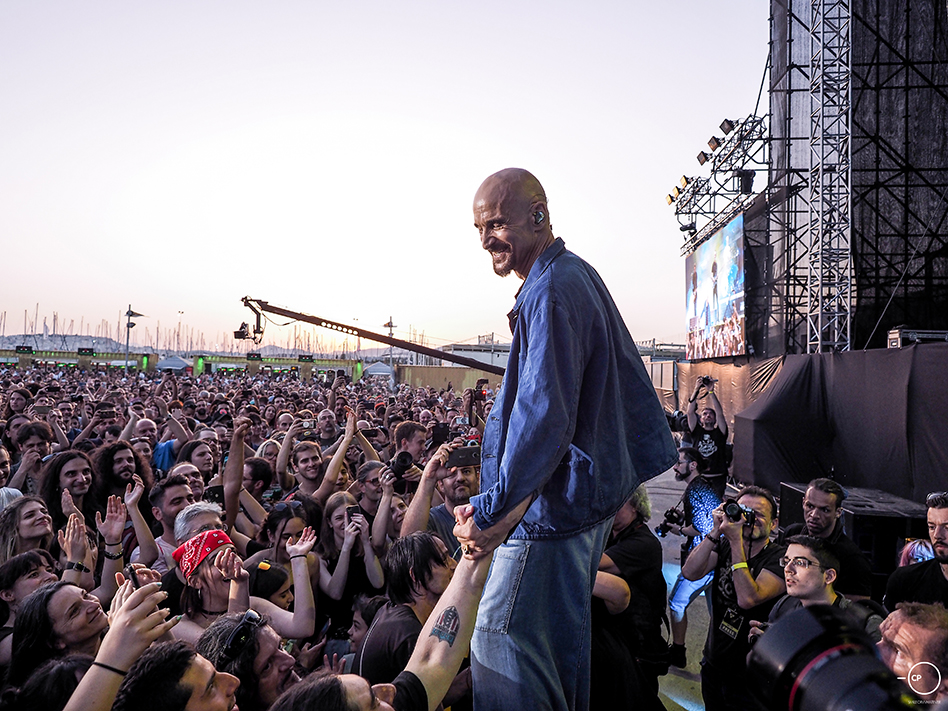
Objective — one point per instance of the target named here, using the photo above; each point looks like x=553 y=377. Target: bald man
x=574 y=430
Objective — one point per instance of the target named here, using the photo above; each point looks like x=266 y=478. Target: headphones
x=537 y=217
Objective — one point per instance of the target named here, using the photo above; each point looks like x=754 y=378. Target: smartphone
x=353 y=511
x=130 y=574
x=41 y=409
x=464 y=457
x=307 y=424
x=461 y=421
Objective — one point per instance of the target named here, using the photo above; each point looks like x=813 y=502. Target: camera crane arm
x=258 y=306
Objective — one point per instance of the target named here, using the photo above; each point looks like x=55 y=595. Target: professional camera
x=673 y=517
x=401 y=463
x=819 y=658
x=677 y=421
x=708 y=381
x=735 y=512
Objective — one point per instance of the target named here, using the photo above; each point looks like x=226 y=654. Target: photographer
x=699 y=500
x=709 y=433
x=748 y=579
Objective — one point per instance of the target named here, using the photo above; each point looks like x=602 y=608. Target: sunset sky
x=324 y=156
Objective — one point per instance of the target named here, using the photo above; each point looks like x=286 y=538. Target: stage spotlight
x=747 y=180
x=727 y=126
x=703 y=157
x=714 y=143
x=690 y=227
x=669 y=199
x=684 y=181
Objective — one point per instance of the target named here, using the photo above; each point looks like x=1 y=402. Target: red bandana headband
x=189 y=555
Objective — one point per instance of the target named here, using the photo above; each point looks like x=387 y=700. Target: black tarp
x=876 y=419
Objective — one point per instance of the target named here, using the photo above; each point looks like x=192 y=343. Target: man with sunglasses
x=810 y=568
x=925 y=582
x=243 y=644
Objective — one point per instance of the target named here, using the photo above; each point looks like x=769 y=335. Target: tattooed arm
x=446 y=637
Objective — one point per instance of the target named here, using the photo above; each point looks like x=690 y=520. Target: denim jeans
x=532 y=637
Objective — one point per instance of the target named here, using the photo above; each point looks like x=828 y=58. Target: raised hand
x=112 y=527
x=68 y=505
x=134 y=491
x=303 y=545
x=73 y=539
x=230 y=565
x=135 y=621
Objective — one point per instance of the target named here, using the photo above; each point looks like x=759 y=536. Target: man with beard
x=115 y=465
x=456 y=485
x=822 y=511
x=327 y=433
x=574 y=431
x=33 y=441
x=748 y=579
x=244 y=645
x=168 y=498
x=925 y=582
x=699 y=500
x=708 y=433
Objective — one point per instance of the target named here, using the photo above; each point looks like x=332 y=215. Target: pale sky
x=324 y=156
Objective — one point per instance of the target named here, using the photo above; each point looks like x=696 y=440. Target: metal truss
x=704 y=203
x=829 y=229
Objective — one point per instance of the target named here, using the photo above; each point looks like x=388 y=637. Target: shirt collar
x=541 y=265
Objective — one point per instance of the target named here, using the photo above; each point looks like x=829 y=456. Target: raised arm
x=704 y=558
x=419 y=510
x=283 y=457
x=300 y=623
x=110 y=529
x=234 y=472
x=328 y=484
x=148 y=549
x=446 y=637
x=692 y=411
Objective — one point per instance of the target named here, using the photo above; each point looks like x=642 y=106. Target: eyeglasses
x=798 y=562
x=937 y=500
x=242 y=634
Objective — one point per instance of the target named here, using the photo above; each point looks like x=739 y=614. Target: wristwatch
x=70 y=565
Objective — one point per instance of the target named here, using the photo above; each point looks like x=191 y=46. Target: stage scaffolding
x=856 y=208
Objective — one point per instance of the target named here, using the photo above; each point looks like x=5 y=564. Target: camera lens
x=819 y=658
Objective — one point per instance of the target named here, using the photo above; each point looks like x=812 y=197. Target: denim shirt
x=577 y=424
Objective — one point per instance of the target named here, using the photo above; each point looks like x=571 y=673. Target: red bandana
x=189 y=555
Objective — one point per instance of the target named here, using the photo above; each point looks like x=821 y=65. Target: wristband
x=113 y=544
x=111 y=669
x=738 y=566
x=114 y=556
x=299 y=555
x=76 y=566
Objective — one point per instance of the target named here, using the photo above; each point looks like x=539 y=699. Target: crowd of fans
x=177 y=542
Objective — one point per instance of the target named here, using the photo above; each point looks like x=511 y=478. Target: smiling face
x=76 y=475
x=35 y=521
x=77 y=618
x=25 y=584
x=5 y=465
x=509 y=214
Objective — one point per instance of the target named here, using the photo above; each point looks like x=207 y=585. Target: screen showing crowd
x=714 y=294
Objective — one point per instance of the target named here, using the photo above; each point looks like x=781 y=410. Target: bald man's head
x=511 y=216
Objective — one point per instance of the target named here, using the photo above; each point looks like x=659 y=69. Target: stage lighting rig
x=704 y=157
x=727 y=126
x=714 y=143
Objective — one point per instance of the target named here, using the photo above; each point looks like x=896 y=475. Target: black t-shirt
x=340 y=611
x=388 y=644
x=172 y=584
x=727 y=644
x=637 y=554
x=855 y=572
x=711 y=446
x=410 y=693
x=922 y=582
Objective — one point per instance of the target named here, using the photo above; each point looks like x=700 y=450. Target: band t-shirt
x=711 y=446
x=728 y=644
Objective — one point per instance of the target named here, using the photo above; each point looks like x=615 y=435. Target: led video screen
x=714 y=295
